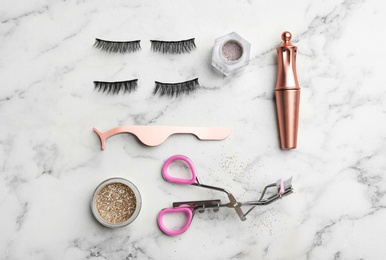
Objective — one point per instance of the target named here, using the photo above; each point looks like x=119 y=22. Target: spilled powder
x=231 y=51
x=116 y=202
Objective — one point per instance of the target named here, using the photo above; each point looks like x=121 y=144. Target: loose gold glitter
x=116 y=202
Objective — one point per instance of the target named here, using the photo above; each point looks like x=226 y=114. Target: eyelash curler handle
x=177 y=180
x=189 y=214
x=156 y=135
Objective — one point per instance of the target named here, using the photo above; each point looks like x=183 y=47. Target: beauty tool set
x=116 y=202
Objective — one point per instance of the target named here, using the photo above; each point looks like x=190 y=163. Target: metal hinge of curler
x=200 y=205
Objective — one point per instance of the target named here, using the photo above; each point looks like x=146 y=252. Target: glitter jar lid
x=116 y=202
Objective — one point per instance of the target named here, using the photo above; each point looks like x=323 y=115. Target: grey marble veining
x=51 y=162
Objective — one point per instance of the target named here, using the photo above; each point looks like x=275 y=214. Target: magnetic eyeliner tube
x=287 y=93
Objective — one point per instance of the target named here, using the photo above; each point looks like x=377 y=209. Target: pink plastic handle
x=169 y=178
x=282 y=189
x=163 y=228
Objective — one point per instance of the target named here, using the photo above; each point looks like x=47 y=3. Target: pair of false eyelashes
x=128 y=86
x=171 y=47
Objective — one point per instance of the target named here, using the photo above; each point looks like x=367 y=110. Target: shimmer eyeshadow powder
x=116 y=202
x=231 y=51
x=230 y=54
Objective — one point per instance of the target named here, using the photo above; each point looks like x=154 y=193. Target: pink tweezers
x=156 y=135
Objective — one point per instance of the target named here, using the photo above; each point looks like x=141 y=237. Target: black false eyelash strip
x=173 y=47
x=116 y=87
x=176 y=89
x=121 y=47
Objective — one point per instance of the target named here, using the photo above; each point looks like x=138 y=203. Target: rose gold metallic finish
x=156 y=135
x=287 y=93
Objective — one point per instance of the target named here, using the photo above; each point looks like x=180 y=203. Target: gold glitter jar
x=116 y=202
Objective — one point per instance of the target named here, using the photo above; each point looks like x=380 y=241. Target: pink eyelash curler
x=156 y=135
x=281 y=189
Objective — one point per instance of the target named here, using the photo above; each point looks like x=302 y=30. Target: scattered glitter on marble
x=231 y=51
x=116 y=203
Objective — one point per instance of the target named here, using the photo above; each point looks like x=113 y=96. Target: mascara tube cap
x=287 y=93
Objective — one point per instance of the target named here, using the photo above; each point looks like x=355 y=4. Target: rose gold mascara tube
x=287 y=93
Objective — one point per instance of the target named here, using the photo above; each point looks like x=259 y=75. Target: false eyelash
x=173 y=47
x=116 y=87
x=176 y=89
x=121 y=47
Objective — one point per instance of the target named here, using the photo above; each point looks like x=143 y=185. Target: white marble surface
x=50 y=160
